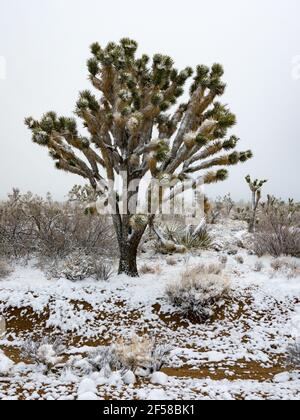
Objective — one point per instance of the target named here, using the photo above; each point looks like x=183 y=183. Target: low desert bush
x=293 y=354
x=5 y=269
x=239 y=259
x=223 y=259
x=220 y=208
x=46 y=352
x=278 y=230
x=141 y=355
x=150 y=269
x=171 y=261
x=79 y=266
x=286 y=267
x=102 y=270
x=200 y=290
x=258 y=267
x=31 y=226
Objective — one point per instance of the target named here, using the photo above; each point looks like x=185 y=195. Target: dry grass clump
x=141 y=355
x=171 y=261
x=223 y=259
x=199 y=292
x=239 y=259
x=150 y=269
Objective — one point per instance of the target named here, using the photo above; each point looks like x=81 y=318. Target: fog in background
x=44 y=46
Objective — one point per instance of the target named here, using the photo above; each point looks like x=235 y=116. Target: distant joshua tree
x=135 y=128
x=255 y=187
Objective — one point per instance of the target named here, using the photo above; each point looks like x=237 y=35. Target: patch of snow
x=159 y=378
x=88 y=396
x=129 y=378
x=6 y=364
x=87 y=385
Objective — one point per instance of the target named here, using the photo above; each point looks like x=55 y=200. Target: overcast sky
x=45 y=45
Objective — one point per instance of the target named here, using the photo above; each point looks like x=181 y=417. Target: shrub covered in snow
x=239 y=259
x=293 y=354
x=258 y=267
x=278 y=229
x=140 y=355
x=45 y=352
x=77 y=266
x=150 y=269
x=80 y=266
x=171 y=261
x=199 y=291
x=286 y=267
x=102 y=270
x=31 y=226
x=5 y=269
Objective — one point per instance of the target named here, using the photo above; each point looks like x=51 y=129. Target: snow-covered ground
x=239 y=354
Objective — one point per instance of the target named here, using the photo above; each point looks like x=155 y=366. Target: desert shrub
x=223 y=259
x=141 y=355
x=31 y=226
x=239 y=259
x=293 y=354
x=147 y=269
x=278 y=230
x=80 y=266
x=150 y=269
x=75 y=267
x=286 y=267
x=171 y=261
x=46 y=352
x=102 y=270
x=258 y=267
x=5 y=269
x=220 y=208
x=199 y=291
x=277 y=264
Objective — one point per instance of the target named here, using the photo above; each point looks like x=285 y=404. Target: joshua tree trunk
x=253 y=213
x=128 y=259
x=128 y=240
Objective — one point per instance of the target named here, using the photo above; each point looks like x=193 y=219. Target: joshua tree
x=135 y=128
x=255 y=187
